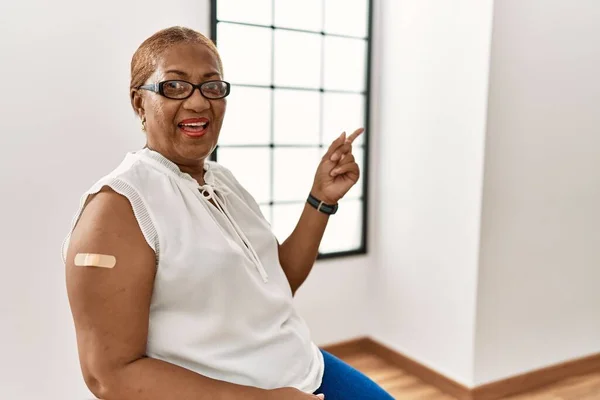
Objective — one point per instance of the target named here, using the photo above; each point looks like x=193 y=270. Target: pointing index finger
x=354 y=135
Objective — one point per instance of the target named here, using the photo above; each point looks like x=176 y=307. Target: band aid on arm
x=95 y=260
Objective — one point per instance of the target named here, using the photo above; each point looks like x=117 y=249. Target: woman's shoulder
x=121 y=190
x=132 y=170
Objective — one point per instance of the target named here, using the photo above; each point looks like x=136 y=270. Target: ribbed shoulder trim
x=140 y=211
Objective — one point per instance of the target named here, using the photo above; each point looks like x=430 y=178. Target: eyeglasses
x=180 y=90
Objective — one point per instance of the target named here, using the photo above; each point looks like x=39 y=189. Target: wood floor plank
x=404 y=386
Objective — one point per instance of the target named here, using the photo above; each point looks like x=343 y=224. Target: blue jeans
x=342 y=382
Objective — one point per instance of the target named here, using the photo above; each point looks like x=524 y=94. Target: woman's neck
x=195 y=169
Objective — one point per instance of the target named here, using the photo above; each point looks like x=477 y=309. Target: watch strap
x=329 y=209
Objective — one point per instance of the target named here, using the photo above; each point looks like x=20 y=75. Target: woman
x=177 y=286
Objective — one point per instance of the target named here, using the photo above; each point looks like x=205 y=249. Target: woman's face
x=172 y=125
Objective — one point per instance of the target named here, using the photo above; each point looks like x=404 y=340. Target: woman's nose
x=196 y=102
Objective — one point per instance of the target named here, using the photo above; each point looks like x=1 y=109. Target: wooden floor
x=406 y=387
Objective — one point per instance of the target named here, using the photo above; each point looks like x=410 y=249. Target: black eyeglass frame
x=159 y=88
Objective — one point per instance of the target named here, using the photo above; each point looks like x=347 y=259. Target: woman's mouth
x=194 y=127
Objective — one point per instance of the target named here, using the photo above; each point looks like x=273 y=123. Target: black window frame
x=365 y=172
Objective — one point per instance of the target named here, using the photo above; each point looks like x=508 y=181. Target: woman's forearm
x=153 y=379
x=298 y=253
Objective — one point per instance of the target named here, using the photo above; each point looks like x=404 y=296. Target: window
x=299 y=71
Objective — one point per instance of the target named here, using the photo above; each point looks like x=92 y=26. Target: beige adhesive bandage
x=95 y=260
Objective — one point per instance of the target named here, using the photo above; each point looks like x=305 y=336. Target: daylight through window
x=299 y=71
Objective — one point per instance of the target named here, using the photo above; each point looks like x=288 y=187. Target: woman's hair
x=143 y=62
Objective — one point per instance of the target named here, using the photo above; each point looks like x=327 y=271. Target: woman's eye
x=215 y=89
x=174 y=85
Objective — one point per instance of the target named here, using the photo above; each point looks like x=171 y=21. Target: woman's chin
x=195 y=148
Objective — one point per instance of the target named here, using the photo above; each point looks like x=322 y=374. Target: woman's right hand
x=289 y=393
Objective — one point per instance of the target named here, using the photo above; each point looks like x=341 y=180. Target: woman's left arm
x=336 y=174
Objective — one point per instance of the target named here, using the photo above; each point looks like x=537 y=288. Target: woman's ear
x=137 y=102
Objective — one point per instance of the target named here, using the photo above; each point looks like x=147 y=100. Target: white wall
x=334 y=299
x=66 y=121
x=421 y=289
x=434 y=76
x=539 y=297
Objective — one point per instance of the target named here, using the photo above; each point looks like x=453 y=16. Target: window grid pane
x=248 y=117
x=297 y=117
x=251 y=12
x=346 y=17
x=248 y=164
x=294 y=170
x=344 y=231
x=305 y=98
x=246 y=64
x=304 y=14
x=297 y=59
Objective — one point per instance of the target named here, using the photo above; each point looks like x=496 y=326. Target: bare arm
x=336 y=174
x=110 y=308
x=298 y=252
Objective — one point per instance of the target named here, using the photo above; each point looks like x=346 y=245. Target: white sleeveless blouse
x=221 y=305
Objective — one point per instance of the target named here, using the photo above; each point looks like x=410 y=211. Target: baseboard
x=409 y=365
x=419 y=370
x=351 y=346
x=536 y=379
x=491 y=391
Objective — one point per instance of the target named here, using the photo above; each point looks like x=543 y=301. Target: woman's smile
x=194 y=127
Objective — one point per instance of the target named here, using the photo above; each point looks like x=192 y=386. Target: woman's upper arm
x=110 y=306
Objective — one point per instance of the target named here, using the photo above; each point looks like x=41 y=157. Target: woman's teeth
x=195 y=125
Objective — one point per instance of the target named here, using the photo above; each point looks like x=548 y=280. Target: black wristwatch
x=329 y=209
